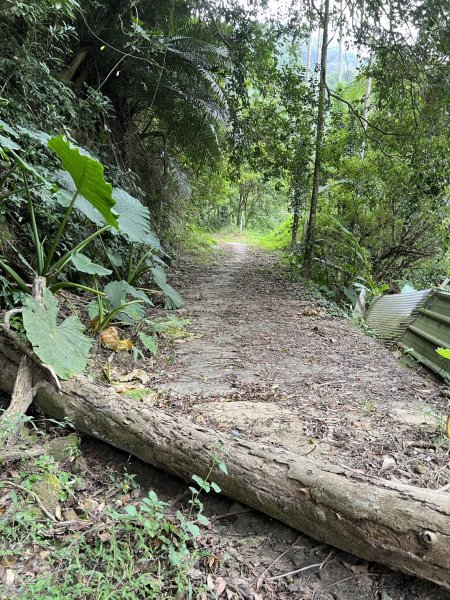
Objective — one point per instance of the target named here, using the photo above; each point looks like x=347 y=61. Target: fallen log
x=403 y=527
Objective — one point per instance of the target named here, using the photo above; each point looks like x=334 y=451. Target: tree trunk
x=296 y=215
x=310 y=232
x=308 y=55
x=319 y=37
x=401 y=526
x=340 y=42
x=366 y=109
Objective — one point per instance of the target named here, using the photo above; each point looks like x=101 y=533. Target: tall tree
x=321 y=110
x=340 y=40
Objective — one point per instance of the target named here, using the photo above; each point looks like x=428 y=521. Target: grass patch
x=98 y=536
x=277 y=239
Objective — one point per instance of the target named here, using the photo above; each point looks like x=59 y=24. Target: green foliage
x=83 y=264
x=87 y=176
x=115 y=304
x=277 y=239
x=149 y=342
x=62 y=346
x=134 y=219
x=445 y=352
x=170 y=326
x=140 y=550
x=173 y=298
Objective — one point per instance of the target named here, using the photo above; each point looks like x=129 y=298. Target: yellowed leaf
x=109 y=337
x=125 y=344
x=135 y=375
x=121 y=388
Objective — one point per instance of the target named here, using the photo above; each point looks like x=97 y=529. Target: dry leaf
x=110 y=338
x=135 y=374
x=210 y=582
x=7 y=561
x=9 y=577
x=388 y=464
x=357 y=569
x=126 y=344
x=221 y=585
x=95 y=323
x=104 y=536
x=121 y=388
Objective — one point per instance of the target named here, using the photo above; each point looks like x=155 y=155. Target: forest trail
x=269 y=362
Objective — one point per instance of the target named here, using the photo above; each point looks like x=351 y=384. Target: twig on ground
x=231 y=514
x=341 y=381
x=33 y=495
x=319 y=565
x=241 y=593
x=310 y=450
x=275 y=562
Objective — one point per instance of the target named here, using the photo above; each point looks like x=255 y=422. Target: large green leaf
x=64 y=347
x=149 y=341
x=65 y=194
x=120 y=292
x=8 y=143
x=87 y=175
x=8 y=129
x=134 y=218
x=84 y=264
x=173 y=298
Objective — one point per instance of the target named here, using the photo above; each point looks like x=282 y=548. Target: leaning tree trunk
x=311 y=230
x=404 y=527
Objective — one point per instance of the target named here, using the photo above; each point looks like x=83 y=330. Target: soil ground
x=269 y=361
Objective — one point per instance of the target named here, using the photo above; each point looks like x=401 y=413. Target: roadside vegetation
x=133 y=136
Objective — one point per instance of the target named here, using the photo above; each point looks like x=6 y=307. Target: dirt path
x=271 y=363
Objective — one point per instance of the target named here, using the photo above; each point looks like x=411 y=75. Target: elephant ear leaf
x=64 y=347
x=134 y=218
x=84 y=264
x=173 y=298
x=88 y=177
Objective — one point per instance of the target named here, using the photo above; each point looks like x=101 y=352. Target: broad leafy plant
x=63 y=346
x=120 y=302
x=88 y=186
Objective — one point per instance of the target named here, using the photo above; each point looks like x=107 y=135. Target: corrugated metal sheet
x=389 y=316
x=431 y=330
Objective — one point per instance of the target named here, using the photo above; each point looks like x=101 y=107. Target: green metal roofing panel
x=431 y=330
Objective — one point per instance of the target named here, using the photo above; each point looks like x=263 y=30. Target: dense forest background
x=325 y=130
